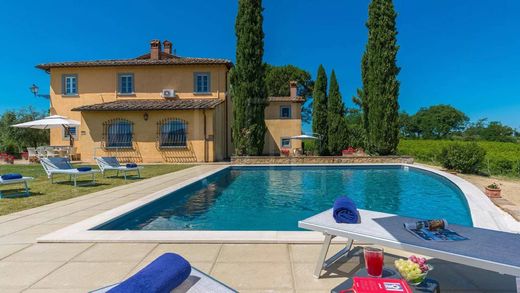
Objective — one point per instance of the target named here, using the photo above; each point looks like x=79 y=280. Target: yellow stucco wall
x=145 y=148
x=278 y=128
x=100 y=85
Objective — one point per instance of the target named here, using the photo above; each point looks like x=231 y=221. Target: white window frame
x=204 y=88
x=67 y=88
x=120 y=77
x=285 y=107
x=74 y=135
x=281 y=142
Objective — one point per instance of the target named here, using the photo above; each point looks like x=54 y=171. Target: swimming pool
x=275 y=198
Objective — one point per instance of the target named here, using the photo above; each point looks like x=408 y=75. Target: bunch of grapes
x=421 y=261
x=414 y=268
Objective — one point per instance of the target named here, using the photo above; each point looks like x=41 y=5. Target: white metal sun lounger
x=197 y=282
x=112 y=164
x=63 y=166
x=486 y=249
x=23 y=180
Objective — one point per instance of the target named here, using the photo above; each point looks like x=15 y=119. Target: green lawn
x=43 y=192
x=502 y=158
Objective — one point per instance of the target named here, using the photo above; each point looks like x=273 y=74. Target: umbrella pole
x=71 y=139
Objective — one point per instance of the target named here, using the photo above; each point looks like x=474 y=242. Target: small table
x=428 y=286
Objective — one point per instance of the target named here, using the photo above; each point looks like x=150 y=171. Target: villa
x=159 y=107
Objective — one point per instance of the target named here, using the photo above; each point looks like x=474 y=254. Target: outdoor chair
x=23 y=180
x=50 y=152
x=54 y=166
x=486 y=249
x=41 y=152
x=112 y=164
x=32 y=154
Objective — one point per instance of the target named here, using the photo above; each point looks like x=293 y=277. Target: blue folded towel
x=345 y=211
x=131 y=165
x=164 y=274
x=84 y=169
x=11 y=176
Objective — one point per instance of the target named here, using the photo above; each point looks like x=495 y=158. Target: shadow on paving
x=451 y=276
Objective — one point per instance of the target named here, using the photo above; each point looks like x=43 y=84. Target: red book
x=378 y=285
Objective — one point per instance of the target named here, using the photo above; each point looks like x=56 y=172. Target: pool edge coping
x=484 y=214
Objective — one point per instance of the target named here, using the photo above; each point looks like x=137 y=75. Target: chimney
x=293 y=88
x=155 y=49
x=167 y=47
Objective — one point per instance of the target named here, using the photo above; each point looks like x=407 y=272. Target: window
x=172 y=133
x=70 y=85
x=202 y=82
x=285 y=112
x=72 y=130
x=118 y=133
x=286 y=142
x=126 y=83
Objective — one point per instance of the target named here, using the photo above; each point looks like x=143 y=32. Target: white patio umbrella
x=54 y=121
x=304 y=136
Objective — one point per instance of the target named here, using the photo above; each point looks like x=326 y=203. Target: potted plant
x=285 y=152
x=493 y=190
x=349 y=151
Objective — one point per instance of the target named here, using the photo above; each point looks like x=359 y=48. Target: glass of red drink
x=374 y=261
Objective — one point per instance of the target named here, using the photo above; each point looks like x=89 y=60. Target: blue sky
x=464 y=53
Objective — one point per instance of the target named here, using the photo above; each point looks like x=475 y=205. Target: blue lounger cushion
x=162 y=275
x=131 y=165
x=345 y=211
x=84 y=169
x=11 y=176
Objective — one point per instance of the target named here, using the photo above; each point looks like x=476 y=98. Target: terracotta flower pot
x=493 y=192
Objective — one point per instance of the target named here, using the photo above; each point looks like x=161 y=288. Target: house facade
x=158 y=107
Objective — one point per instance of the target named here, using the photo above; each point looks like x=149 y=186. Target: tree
x=19 y=138
x=337 y=128
x=492 y=131
x=248 y=80
x=355 y=129
x=379 y=71
x=277 y=80
x=319 y=111
x=408 y=125
x=439 y=121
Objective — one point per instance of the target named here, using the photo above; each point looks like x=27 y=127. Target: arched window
x=172 y=133
x=118 y=133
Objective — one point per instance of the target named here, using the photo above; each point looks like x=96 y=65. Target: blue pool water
x=276 y=198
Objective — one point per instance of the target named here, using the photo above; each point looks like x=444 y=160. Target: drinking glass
x=374 y=261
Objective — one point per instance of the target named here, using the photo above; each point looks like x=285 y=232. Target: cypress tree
x=247 y=80
x=337 y=128
x=319 y=111
x=379 y=74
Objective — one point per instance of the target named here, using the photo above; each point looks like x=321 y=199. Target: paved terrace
x=27 y=266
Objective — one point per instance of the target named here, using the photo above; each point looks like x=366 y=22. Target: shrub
x=501 y=166
x=463 y=157
x=10 y=149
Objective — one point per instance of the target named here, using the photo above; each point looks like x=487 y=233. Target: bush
x=10 y=149
x=463 y=157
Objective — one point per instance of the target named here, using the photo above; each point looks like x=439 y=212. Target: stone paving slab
x=26 y=266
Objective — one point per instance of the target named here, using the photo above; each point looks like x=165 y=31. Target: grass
x=502 y=158
x=43 y=192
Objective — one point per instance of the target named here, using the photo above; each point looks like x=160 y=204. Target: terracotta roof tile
x=296 y=99
x=166 y=59
x=148 y=105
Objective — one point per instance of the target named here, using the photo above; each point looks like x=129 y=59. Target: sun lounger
x=112 y=164
x=486 y=249
x=23 y=180
x=63 y=166
x=197 y=282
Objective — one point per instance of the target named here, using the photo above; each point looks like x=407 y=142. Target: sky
x=465 y=53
